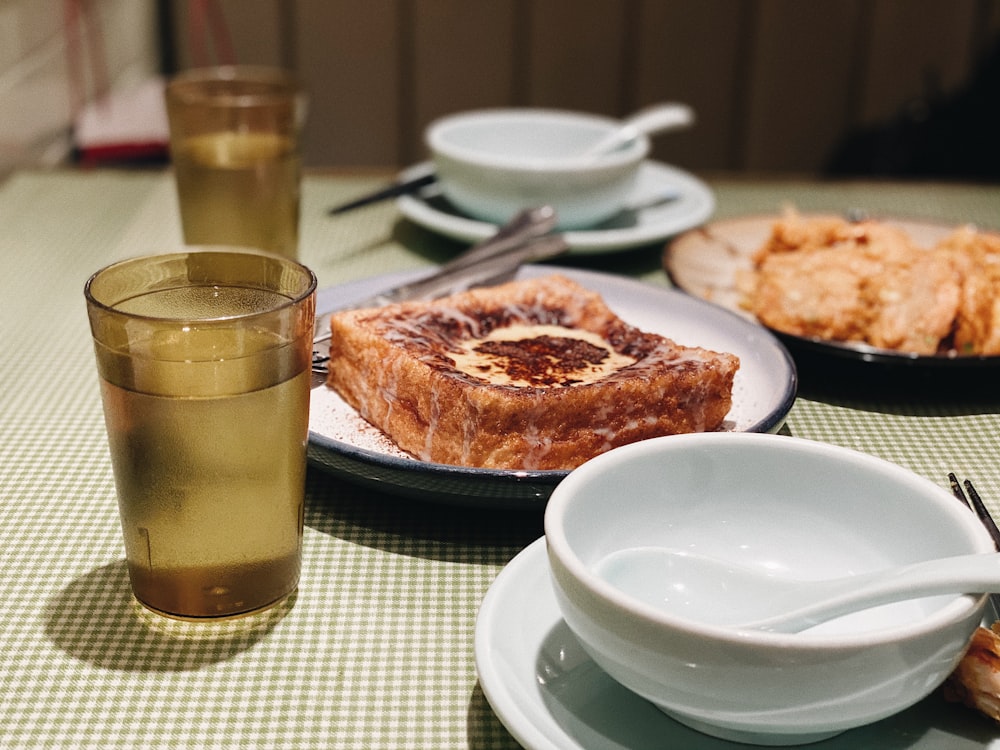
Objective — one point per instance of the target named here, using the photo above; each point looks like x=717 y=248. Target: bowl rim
x=436 y=139
x=558 y=547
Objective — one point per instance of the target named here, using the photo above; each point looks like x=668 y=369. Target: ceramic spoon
x=689 y=581
x=655 y=119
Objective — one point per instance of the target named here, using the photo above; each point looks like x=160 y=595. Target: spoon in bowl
x=685 y=583
x=651 y=120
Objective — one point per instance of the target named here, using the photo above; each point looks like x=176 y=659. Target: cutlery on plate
x=524 y=239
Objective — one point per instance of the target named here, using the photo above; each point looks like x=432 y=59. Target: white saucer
x=551 y=696
x=666 y=201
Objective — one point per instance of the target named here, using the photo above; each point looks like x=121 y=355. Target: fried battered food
x=533 y=374
x=867 y=282
x=796 y=234
x=976 y=680
x=817 y=293
x=976 y=256
x=914 y=303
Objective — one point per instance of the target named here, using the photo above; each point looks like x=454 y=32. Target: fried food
x=533 y=374
x=867 y=282
x=976 y=680
x=976 y=255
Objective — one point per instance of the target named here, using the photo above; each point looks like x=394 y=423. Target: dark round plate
x=341 y=442
x=704 y=262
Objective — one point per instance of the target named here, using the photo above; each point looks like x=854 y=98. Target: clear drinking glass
x=234 y=144
x=204 y=362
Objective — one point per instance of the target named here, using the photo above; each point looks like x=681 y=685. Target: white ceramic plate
x=705 y=262
x=341 y=442
x=550 y=695
x=665 y=202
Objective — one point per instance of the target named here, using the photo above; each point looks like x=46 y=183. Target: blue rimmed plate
x=341 y=442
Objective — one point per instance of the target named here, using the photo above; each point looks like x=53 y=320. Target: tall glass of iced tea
x=234 y=144
x=204 y=362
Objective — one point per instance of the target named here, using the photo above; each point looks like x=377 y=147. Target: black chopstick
x=392 y=191
x=983 y=512
x=975 y=503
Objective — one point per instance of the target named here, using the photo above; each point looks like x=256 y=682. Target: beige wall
x=775 y=82
x=35 y=83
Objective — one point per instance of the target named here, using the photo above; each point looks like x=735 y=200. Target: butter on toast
x=532 y=374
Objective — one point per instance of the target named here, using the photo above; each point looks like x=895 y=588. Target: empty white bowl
x=493 y=163
x=784 y=506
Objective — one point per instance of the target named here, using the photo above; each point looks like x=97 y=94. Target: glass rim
x=184 y=85
x=289 y=302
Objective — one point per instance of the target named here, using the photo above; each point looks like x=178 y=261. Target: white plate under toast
x=341 y=442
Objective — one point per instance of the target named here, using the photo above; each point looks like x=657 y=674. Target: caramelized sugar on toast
x=533 y=374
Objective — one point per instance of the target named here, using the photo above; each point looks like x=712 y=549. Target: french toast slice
x=532 y=374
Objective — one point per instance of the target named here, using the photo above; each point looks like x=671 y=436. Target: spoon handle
x=661 y=117
x=657 y=118
x=969 y=574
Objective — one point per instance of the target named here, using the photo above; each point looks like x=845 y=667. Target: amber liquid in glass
x=209 y=460
x=239 y=189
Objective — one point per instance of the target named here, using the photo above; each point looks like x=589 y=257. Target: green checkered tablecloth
x=376 y=650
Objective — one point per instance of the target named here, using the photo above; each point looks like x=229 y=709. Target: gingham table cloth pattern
x=375 y=651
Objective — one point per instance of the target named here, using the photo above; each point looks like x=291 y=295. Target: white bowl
x=493 y=163
x=782 y=505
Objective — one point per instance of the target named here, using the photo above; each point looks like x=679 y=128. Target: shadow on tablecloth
x=484 y=728
x=445 y=532
x=902 y=390
x=96 y=619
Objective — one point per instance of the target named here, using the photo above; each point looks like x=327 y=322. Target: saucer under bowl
x=783 y=506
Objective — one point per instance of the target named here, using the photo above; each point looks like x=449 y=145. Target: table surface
x=376 y=650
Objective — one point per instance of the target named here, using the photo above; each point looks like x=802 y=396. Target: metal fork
x=975 y=503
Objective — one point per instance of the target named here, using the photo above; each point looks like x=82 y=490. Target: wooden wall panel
x=775 y=83
x=255 y=28
x=462 y=58
x=798 y=73
x=575 y=54
x=348 y=55
x=914 y=49
x=689 y=52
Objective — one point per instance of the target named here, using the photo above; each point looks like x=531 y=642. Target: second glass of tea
x=234 y=144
